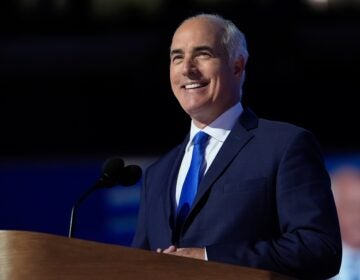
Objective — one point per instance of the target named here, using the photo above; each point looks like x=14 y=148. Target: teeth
x=190 y=86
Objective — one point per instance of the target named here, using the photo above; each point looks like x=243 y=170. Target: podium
x=42 y=256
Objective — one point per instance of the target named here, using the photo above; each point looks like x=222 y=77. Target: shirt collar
x=220 y=127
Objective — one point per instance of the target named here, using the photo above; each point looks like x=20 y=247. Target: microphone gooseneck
x=113 y=174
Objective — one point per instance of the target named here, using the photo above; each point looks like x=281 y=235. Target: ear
x=239 y=66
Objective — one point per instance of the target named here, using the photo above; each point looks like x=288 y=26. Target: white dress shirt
x=218 y=130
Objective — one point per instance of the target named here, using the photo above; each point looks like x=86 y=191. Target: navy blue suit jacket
x=264 y=202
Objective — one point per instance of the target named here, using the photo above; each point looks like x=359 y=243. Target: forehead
x=195 y=32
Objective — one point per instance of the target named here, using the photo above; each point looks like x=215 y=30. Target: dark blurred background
x=83 y=80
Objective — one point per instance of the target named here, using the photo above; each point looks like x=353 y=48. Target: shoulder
x=251 y=122
x=290 y=142
x=286 y=134
x=168 y=158
x=279 y=127
x=280 y=131
x=275 y=135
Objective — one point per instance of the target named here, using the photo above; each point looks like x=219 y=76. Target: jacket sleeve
x=309 y=245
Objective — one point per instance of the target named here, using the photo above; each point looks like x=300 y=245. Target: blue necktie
x=193 y=177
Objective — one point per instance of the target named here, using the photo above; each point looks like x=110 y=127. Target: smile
x=195 y=85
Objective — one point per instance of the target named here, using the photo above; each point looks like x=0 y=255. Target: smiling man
x=202 y=79
x=239 y=189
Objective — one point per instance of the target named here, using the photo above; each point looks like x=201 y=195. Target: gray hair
x=233 y=40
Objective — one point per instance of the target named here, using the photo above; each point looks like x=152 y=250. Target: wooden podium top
x=32 y=255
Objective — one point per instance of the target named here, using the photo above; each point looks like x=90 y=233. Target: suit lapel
x=170 y=197
x=237 y=139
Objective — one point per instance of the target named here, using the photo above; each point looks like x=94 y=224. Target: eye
x=204 y=54
x=176 y=58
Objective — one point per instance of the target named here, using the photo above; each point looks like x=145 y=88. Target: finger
x=171 y=249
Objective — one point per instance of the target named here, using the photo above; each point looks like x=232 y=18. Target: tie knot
x=200 y=138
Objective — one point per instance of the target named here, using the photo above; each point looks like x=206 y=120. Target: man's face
x=347 y=198
x=201 y=78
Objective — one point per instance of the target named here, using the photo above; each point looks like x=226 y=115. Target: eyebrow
x=203 y=48
x=196 y=49
x=176 y=51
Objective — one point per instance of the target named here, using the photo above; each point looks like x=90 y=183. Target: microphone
x=114 y=173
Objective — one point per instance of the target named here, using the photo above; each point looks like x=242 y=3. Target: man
x=346 y=186
x=264 y=197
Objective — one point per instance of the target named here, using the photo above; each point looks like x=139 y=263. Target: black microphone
x=113 y=174
x=130 y=175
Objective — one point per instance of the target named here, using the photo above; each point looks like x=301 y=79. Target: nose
x=189 y=67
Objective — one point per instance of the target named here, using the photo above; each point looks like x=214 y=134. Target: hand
x=195 y=253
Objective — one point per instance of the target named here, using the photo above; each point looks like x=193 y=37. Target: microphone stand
x=114 y=174
x=75 y=207
x=105 y=181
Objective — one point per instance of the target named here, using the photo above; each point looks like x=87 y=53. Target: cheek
x=218 y=74
x=174 y=77
x=175 y=83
